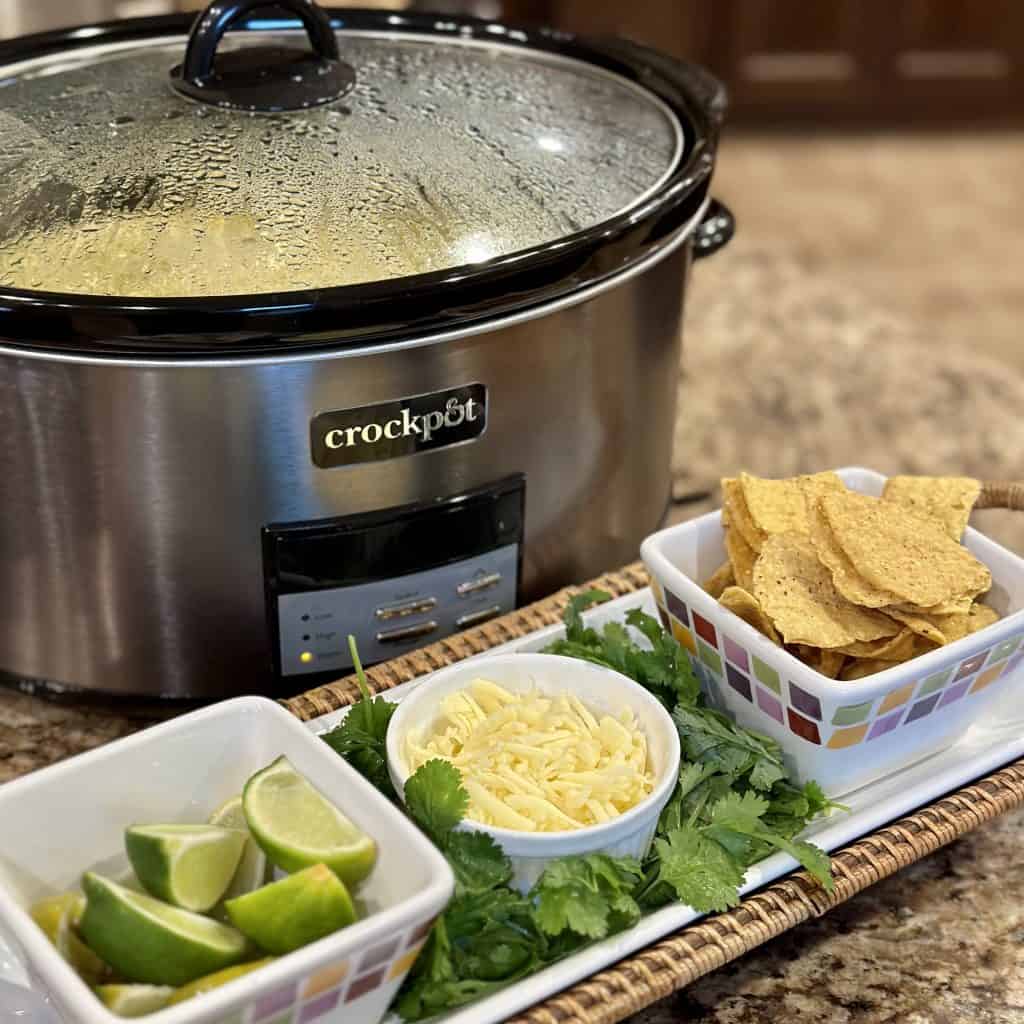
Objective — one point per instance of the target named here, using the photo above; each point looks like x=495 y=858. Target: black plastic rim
x=378 y=313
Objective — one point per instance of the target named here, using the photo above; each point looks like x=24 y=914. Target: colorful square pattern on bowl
x=323 y=1004
x=922 y=708
x=704 y=629
x=379 y=954
x=989 y=676
x=849 y=736
x=364 y=983
x=884 y=724
x=710 y=657
x=766 y=674
x=677 y=608
x=935 y=682
x=896 y=698
x=272 y=1003
x=1004 y=650
x=804 y=702
x=971 y=665
x=851 y=714
x=955 y=692
x=736 y=654
x=323 y=990
x=803 y=727
x=770 y=705
x=327 y=977
x=719 y=659
x=739 y=682
x=684 y=637
x=403 y=964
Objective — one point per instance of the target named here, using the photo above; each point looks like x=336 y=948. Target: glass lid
x=420 y=154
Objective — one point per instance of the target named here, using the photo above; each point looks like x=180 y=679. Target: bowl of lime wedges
x=226 y=865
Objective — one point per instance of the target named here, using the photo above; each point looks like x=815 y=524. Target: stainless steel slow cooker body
x=166 y=462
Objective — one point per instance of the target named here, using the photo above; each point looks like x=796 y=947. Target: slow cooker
x=317 y=323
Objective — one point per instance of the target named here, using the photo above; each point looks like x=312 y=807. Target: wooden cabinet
x=831 y=61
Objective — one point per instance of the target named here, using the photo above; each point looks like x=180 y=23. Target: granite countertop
x=788 y=371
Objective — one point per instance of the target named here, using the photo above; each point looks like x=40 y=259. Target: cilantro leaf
x=359 y=739
x=701 y=872
x=690 y=777
x=477 y=860
x=765 y=772
x=481 y=943
x=809 y=856
x=740 y=813
x=590 y=896
x=575 y=631
x=709 y=736
x=360 y=736
x=435 y=798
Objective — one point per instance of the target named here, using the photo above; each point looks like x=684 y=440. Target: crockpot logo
x=389 y=430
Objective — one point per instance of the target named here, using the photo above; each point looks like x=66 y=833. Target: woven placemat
x=681 y=958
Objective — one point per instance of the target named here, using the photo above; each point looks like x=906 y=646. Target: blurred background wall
x=839 y=62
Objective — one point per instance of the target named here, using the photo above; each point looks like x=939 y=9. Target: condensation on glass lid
x=443 y=155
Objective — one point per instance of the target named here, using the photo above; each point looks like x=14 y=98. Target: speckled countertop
x=791 y=367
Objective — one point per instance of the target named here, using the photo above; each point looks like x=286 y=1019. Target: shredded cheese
x=537 y=763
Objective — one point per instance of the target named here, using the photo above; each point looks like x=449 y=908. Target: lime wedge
x=188 y=865
x=252 y=870
x=49 y=913
x=57 y=916
x=89 y=966
x=149 y=941
x=297 y=827
x=134 y=1000
x=215 y=980
x=297 y=910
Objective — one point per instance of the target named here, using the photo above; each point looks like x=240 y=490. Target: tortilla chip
x=797 y=593
x=742 y=558
x=858 y=668
x=736 y=515
x=895 y=648
x=946 y=498
x=980 y=617
x=922 y=625
x=744 y=605
x=956 y=606
x=848 y=581
x=721 y=578
x=946 y=629
x=898 y=550
x=780 y=506
x=828 y=663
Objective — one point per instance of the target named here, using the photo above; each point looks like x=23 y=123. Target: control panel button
x=397 y=636
x=475 y=618
x=478 y=583
x=399 y=611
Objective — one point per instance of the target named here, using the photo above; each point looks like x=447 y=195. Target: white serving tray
x=993 y=742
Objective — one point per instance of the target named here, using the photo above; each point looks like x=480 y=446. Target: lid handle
x=262 y=78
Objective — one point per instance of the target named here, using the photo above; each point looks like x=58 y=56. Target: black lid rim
x=380 y=312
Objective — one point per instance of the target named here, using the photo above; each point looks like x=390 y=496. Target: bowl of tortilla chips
x=857 y=620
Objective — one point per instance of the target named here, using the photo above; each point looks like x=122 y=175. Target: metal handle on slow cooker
x=251 y=83
x=714 y=231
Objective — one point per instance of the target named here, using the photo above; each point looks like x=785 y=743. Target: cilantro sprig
x=733 y=805
x=360 y=736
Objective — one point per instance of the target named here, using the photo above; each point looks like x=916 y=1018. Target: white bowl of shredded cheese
x=559 y=756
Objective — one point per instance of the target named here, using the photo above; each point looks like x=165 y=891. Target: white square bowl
x=58 y=822
x=843 y=734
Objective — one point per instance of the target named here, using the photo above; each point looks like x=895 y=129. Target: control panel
x=394 y=579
